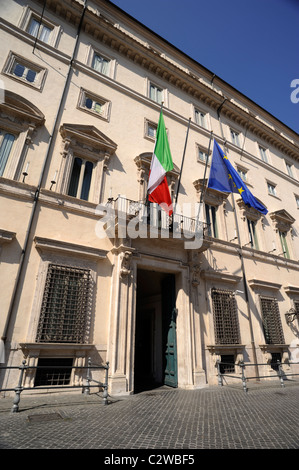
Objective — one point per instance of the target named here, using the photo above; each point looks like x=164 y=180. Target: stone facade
x=82 y=100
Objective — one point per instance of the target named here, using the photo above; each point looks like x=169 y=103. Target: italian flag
x=161 y=163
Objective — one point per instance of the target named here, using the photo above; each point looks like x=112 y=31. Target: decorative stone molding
x=291 y=290
x=261 y=284
x=211 y=196
x=282 y=220
x=248 y=212
x=268 y=349
x=220 y=277
x=65 y=248
x=126 y=264
x=6 y=236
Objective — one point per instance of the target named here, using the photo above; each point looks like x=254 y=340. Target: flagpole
x=206 y=166
x=183 y=158
x=242 y=266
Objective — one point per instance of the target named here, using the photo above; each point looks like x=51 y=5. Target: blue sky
x=253 y=45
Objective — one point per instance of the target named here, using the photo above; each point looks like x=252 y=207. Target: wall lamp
x=291 y=315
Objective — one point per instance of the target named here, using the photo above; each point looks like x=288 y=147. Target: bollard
x=19 y=389
x=105 y=392
x=242 y=365
x=280 y=373
x=88 y=378
x=220 y=378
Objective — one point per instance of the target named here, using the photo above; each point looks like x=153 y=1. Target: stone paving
x=267 y=417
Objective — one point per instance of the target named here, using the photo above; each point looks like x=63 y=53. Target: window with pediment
x=19 y=120
x=85 y=156
x=283 y=223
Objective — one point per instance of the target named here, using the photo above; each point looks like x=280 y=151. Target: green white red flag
x=158 y=190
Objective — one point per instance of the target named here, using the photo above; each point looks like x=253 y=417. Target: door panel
x=169 y=331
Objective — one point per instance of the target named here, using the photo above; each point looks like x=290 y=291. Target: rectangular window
x=65 y=305
x=80 y=179
x=53 y=371
x=242 y=174
x=151 y=130
x=200 y=118
x=275 y=357
x=297 y=201
x=271 y=189
x=39 y=29
x=25 y=71
x=252 y=234
x=156 y=93
x=235 y=137
x=202 y=155
x=211 y=220
x=227 y=363
x=101 y=64
x=263 y=154
x=271 y=321
x=6 y=144
x=225 y=317
x=284 y=245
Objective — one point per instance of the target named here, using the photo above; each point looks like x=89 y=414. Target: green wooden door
x=169 y=327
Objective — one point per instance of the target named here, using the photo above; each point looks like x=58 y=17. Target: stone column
x=121 y=314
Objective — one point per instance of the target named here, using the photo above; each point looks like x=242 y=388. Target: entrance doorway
x=155 y=334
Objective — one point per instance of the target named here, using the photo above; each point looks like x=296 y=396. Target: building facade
x=83 y=87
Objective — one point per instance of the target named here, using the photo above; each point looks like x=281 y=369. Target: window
x=289 y=169
x=100 y=64
x=263 y=154
x=225 y=317
x=94 y=104
x=271 y=189
x=297 y=201
x=211 y=220
x=156 y=93
x=202 y=156
x=53 y=371
x=151 y=129
x=242 y=174
x=6 y=144
x=235 y=137
x=39 y=29
x=80 y=178
x=284 y=246
x=271 y=321
x=65 y=305
x=227 y=363
x=25 y=71
x=200 y=118
x=251 y=224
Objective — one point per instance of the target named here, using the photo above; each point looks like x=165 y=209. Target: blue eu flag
x=224 y=177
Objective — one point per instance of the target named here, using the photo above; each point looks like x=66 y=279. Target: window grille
x=65 y=307
x=271 y=321
x=227 y=364
x=225 y=315
x=53 y=371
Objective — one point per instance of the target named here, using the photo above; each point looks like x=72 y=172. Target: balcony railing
x=155 y=217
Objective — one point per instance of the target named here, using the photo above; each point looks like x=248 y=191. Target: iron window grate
x=65 y=306
x=225 y=316
x=53 y=371
x=227 y=364
x=271 y=321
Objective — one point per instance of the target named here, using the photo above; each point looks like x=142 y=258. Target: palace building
x=82 y=88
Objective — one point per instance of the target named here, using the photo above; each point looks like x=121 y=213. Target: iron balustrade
x=280 y=373
x=85 y=388
x=154 y=216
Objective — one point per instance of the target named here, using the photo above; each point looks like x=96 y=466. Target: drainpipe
x=37 y=192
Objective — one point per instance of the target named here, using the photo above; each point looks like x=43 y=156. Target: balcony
x=133 y=219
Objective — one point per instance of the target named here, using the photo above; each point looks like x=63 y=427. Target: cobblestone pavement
x=267 y=417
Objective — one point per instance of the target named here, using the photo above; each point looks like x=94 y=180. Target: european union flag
x=224 y=177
